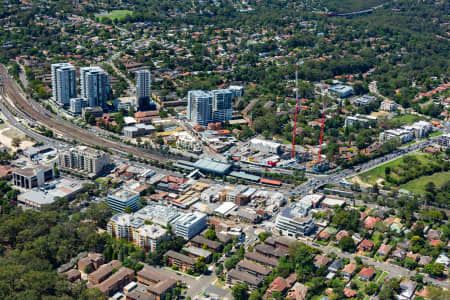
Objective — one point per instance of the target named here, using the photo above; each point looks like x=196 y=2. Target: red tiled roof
x=367 y=272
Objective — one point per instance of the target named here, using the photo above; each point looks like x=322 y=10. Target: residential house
x=366 y=246
x=366 y=273
x=399 y=254
x=321 y=260
x=349 y=293
x=425 y=260
x=280 y=284
x=384 y=250
x=324 y=236
x=341 y=234
x=336 y=265
x=443 y=259
x=407 y=288
x=369 y=222
x=349 y=270
x=297 y=292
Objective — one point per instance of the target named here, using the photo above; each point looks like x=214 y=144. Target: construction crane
x=318 y=165
x=322 y=125
x=297 y=105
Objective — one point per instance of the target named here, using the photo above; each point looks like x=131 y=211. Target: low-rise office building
x=295 y=220
x=343 y=91
x=45 y=195
x=189 y=225
x=122 y=198
x=31 y=177
x=138 y=130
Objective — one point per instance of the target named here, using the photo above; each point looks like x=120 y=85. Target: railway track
x=36 y=113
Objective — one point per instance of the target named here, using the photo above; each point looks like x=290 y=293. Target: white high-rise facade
x=94 y=86
x=64 y=82
x=222 y=105
x=143 y=89
x=206 y=107
x=199 y=108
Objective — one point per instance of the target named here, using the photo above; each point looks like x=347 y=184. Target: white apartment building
x=84 y=159
x=123 y=226
x=199 y=107
x=77 y=105
x=403 y=135
x=188 y=142
x=388 y=105
x=95 y=86
x=149 y=236
x=264 y=146
x=64 y=82
x=222 y=105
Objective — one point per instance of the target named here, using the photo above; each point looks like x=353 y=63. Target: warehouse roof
x=212 y=166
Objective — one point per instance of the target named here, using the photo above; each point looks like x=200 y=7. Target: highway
x=336 y=178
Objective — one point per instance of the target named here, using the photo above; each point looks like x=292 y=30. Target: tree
x=16 y=141
x=437 y=293
x=239 y=291
x=347 y=244
x=371 y=288
x=434 y=269
x=389 y=290
x=128 y=210
x=264 y=235
x=410 y=263
x=200 y=265
x=210 y=234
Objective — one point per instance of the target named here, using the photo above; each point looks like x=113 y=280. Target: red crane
x=321 y=130
x=296 y=111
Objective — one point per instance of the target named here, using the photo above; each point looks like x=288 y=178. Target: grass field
x=417 y=185
x=115 y=14
x=350 y=5
x=374 y=174
x=404 y=120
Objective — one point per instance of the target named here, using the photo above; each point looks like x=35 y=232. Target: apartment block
x=64 y=83
x=85 y=160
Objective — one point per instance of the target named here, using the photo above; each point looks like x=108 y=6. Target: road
x=336 y=178
x=392 y=270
